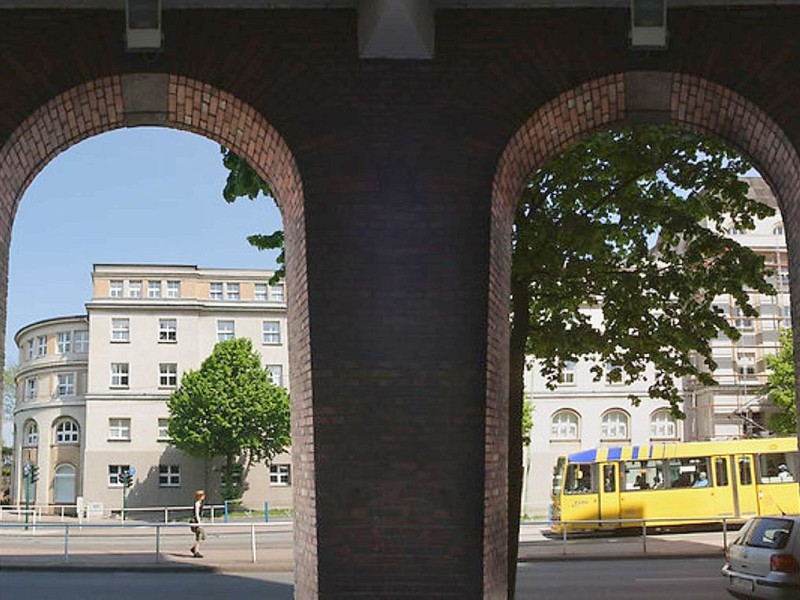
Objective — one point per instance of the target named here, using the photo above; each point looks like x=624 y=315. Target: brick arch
x=181 y=103
x=622 y=98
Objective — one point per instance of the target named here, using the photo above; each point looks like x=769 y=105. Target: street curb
x=616 y=557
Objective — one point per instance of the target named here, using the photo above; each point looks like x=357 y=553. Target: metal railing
x=158 y=529
x=580 y=528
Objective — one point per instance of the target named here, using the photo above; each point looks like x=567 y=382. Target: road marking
x=675 y=579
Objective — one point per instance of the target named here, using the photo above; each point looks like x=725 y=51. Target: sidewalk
x=133 y=549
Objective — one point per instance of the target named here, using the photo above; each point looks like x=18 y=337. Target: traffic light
x=126 y=478
x=34 y=473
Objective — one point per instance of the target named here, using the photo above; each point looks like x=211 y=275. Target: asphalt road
x=654 y=579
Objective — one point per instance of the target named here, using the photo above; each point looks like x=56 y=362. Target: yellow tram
x=676 y=484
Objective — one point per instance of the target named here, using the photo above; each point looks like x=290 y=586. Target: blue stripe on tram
x=585 y=456
x=615 y=453
x=635 y=453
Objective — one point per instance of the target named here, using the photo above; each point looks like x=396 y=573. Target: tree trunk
x=520 y=327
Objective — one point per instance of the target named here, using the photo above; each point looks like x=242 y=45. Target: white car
x=764 y=559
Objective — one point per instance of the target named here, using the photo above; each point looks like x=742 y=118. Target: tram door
x=609 y=496
x=722 y=490
x=745 y=498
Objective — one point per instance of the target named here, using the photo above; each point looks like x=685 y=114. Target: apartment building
x=583 y=413
x=92 y=390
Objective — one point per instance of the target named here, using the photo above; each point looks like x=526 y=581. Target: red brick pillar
x=397 y=267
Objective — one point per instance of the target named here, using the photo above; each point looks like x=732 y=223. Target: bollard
x=66 y=542
x=158 y=542
x=644 y=537
x=266 y=512
x=724 y=534
x=253 y=540
x=564 y=539
x=166 y=514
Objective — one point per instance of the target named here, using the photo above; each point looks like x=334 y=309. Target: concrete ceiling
x=395 y=29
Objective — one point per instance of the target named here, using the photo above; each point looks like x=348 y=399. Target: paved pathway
x=230 y=549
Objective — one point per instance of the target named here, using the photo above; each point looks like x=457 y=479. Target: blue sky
x=142 y=195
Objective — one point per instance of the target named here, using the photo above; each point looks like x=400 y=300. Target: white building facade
x=582 y=413
x=92 y=390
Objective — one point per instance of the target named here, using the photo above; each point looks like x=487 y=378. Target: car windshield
x=769 y=532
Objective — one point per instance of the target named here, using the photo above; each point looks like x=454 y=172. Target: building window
x=154 y=289
x=120 y=376
x=167 y=330
x=81 y=339
x=778 y=229
x=119 y=429
x=66 y=385
x=67 y=432
x=612 y=373
x=169 y=476
x=115 y=474
x=783 y=277
x=567 y=375
x=261 y=292
x=31 y=434
x=64 y=342
x=225 y=330
x=746 y=365
x=662 y=425
x=280 y=475
x=271 y=332
x=134 y=289
x=565 y=426
x=30 y=349
x=30 y=388
x=216 y=291
x=276 y=293
x=120 y=330
x=163 y=430
x=41 y=345
x=614 y=425
x=276 y=374
x=115 y=289
x=173 y=289
x=232 y=291
x=168 y=374
x=740 y=321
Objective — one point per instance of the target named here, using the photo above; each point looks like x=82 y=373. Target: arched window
x=64 y=484
x=30 y=434
x=67 y=432
x=663 y=425
x=565 y=426
x=614 y=425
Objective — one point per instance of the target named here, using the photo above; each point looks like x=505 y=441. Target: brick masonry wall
x=398 y=232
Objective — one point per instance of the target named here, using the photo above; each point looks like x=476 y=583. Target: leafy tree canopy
x=244 y=182
x=583 y=237
x=230 y=408
x=780 y=387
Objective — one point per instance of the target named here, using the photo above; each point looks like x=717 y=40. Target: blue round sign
x=131 y=470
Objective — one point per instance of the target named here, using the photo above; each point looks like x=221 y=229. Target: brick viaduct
x=397 y=181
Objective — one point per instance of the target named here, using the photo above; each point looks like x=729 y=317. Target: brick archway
x=634 y=97
x=181 y=103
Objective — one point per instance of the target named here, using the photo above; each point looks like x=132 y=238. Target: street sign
x=26 y=469
x=131 y=470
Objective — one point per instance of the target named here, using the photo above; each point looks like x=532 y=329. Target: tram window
x=579 y=479
x=643 y=475
x=721 y=471
x=609 y=481
x=689 y=472
x=777 y=467
x=745 y=474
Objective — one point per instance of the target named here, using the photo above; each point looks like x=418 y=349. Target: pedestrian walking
x=197 y=530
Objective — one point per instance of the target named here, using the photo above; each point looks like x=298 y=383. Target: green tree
x=230 y=408
x=780 y=387
x=583 y=237
x=9 y=396
x=244 y=182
